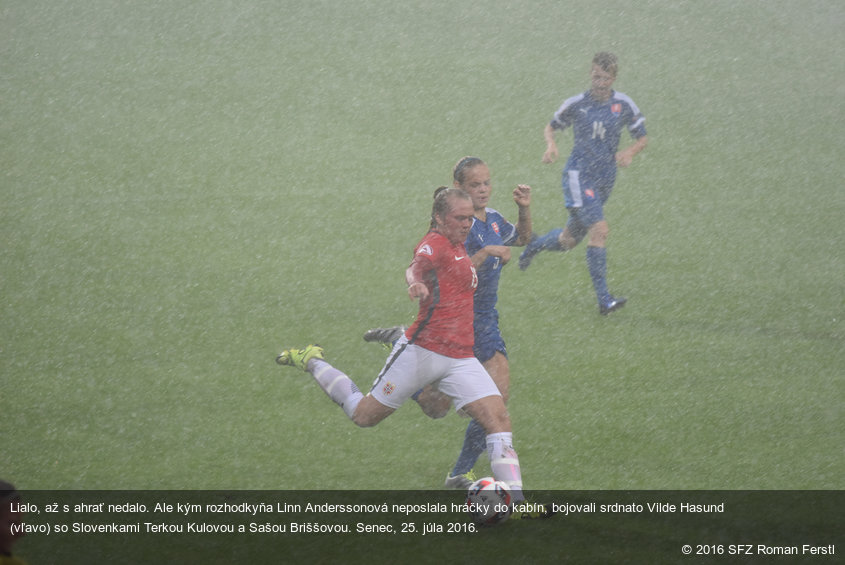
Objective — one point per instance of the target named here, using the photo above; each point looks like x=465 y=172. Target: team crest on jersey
x=495 y=226
x=616 y=109
x=425 y=250
x=388 y=389
x=589 y=192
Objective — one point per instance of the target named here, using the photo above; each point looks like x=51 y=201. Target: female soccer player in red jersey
x=437 y=348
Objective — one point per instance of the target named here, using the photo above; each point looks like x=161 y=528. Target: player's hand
x=624 y=158
x=522 y=195
x=418 y=290
x=551 y=154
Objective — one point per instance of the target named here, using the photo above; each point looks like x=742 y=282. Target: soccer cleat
x=387 y=336
x=549 y=241
x=526 y=510
x=606 y=308
x=460 y=482
x=528 y=254
x=299 y=357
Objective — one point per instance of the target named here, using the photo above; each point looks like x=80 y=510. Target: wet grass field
x=189 y=187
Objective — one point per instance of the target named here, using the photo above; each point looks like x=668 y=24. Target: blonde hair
x=443 y=201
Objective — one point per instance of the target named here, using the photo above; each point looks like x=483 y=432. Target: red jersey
x=451 y=281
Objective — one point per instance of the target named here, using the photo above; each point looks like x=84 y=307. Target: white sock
x=505 y=463
x=336 y=385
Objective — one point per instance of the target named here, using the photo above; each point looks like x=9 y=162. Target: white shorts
x=414 y=367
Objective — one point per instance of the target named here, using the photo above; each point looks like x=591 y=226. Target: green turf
x=188 y=187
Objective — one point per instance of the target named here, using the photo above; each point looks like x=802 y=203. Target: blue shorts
x=580 y=189
x=585 y=196
x=580 y=219
x=488 y=338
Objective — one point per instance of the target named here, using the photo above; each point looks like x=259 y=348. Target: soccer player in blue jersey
x=488 y=246
x=597 y=117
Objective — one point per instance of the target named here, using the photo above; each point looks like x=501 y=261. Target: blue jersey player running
x=488 y=245
x=597 y=117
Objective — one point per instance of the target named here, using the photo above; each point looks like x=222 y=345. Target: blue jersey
x=495 y=231
x=597 y=128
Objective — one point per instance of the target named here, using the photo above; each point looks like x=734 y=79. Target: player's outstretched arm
x=522 y=197
x=500 y=251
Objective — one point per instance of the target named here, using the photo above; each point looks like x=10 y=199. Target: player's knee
x=364 y=420
x=567 y=241
x=369 y=412
x=598 y=238
x=600 y=229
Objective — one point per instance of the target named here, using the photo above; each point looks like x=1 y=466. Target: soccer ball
x=488 y=501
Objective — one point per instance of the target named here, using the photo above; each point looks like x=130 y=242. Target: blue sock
x=597 y=265
x=475 y=442
x=549 y=241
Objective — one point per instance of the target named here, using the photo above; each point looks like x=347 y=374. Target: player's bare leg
x=475 y=437
x=364 y=411
x=566 y=240
x=370 y=412
x=499 y=370
x=597 y=234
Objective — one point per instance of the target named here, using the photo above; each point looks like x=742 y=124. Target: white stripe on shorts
x=575 y=189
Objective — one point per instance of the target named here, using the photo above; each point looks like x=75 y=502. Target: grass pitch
x=186 y=190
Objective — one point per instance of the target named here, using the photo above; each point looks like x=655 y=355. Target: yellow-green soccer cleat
x=299 y=357
x=460 y=482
